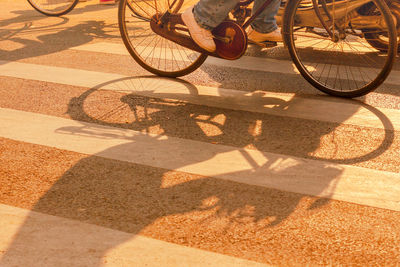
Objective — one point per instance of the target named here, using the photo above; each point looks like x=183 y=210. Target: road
x=238 y=164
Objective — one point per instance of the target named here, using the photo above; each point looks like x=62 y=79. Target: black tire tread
x=54 y=14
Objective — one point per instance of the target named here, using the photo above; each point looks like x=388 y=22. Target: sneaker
x=258 y=37
x=201 y=36
x=108 y=2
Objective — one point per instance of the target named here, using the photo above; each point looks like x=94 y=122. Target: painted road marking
x=311 y=177
x=28 y=238
x=245 y=62
x=341 y=111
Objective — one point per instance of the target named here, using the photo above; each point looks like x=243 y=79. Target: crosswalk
x=122 y=168
x=130 y=250
x=246 y=62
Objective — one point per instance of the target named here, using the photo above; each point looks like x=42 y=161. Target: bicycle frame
x=361 y=34
x=313 y=16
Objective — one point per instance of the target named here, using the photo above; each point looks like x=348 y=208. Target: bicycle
x=53 y=8
x=360 y=34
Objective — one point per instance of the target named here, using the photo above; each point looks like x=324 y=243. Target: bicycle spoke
x=154 y=52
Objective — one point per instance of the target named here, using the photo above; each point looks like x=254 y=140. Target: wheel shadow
x=34 y=34
x=30 y=15
x=158 y=185
x=49 y=43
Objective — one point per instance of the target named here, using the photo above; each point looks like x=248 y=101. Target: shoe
x=108 y=2
x=201 y=36
x=258 y=37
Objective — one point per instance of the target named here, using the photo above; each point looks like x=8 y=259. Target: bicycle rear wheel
x=153 y=52
x=53 y=7
x=346 y=65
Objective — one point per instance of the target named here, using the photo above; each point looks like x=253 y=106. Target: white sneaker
x=201 y=36
x=258 y=37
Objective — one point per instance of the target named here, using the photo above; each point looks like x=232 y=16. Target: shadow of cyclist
x=192 y=185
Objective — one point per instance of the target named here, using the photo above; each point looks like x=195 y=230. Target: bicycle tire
x=362 y=67
x=58 y=8
x=171 y=59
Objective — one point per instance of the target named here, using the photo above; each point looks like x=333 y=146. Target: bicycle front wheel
x=153 y=52
x=339 y=59
x=53 y=7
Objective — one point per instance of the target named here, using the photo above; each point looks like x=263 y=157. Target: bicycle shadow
x=25 y=22
x=25 y=16
x=295 y=84
x=50 y=43
x=30 y=15
x=156 y=186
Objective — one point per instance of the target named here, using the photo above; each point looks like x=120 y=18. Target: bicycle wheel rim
x=153 y=52
x=53 y=7
x=350 y=67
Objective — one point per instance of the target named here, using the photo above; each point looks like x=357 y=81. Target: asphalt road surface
x=241 y=163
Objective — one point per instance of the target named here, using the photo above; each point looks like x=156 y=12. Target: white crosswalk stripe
x=281 y=172
x=132 y=250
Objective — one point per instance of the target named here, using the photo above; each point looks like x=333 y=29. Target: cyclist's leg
x=210 y=13
x=265 y=27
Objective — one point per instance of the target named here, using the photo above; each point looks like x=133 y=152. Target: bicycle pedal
x=265 y=44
